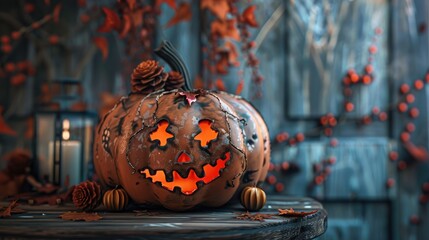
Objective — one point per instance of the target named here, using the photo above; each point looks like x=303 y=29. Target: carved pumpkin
x=180 y=148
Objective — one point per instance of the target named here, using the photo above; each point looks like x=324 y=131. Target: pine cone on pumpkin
x=87 y=195
x=175 y=81
x=148 y=77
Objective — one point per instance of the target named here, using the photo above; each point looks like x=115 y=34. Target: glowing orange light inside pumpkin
x=207 y=134
x=188 y=184
x=161 y=133
x=184 y=158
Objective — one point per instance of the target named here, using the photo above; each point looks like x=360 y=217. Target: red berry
x=317 y=167
x=347 y=92
x=390 y=182
x=402 y=165
x=382 y=116
x=366 y=79
x=354 y=78
x=271 y=179
x=375 y=110
x=410 y=98
x=324 y=120
x=349 y=106
x=410 y=127
x=29 y=7
x=332 y=160
x=292 y=141
x=332 y=122
x=333 y=142
x=366 y=120
x=414 y=112
x=16 y=35
x=372 y=49
x=327 y=131
x=378 y=31
x=319 y=180
x=285 y=166
x=300 y=137
x=5 y=39
x=279 y=187
x=9 y=67
x=281 y=137
x=402 y=107
x=53 y=39
x=369 y=68
x=405 y=137
x=6 y=48
x=393 y=155
x=346 y=80
x=271 y=167
x=419 y=84
x=405 y=88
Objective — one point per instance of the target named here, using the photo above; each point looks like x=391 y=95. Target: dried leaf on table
x=253 y=217
x=249 y=16
x=225 y=29
x=7 y=212
x=219 y=7
x=102 y=44
x=56 y=13
x=170 y=3
x=183 y=13
x=111 y=21
x=80 y=216
x=291 y=213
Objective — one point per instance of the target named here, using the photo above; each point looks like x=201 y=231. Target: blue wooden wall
x=305 y=48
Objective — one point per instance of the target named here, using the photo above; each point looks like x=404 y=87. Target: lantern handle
x=170 y=55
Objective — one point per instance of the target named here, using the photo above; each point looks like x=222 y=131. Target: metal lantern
x=63 y=140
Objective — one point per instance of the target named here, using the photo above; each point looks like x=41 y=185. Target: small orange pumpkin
x=253 y=198
x=115 y=199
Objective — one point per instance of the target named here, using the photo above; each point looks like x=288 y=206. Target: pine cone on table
x=87 y=195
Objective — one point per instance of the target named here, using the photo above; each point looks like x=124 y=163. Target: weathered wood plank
x=204 y=223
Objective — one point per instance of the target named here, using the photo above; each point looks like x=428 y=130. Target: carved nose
x=184 y=158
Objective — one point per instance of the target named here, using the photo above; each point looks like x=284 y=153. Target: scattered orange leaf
x=183 y=13
x=111 y=21
x=81 y=216
x=126 y=25
x=56 y=13
x=170 y=3
x=249 y=16
x=240 y=87
x=291 y=213
x=220 y=85
x=225 y=29
x=103 y=45
x=18 y=79
x=218 y=7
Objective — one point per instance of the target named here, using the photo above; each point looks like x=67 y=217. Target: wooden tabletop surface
x=44 y=222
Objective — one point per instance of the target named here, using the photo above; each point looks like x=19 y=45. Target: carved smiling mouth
x=190 y=183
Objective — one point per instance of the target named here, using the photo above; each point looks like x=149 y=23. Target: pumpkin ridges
x=115 y=199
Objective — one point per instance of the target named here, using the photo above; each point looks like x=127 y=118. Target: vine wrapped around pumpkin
x=178 y=147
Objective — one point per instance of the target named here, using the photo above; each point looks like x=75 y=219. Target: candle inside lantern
x=70 y=156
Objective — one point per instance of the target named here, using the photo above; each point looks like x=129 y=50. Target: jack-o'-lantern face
x=188 y=146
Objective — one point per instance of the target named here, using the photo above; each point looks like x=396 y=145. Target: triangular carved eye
x=161 y=134
x=207 y=134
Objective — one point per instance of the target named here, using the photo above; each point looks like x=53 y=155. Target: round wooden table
x=222 y=223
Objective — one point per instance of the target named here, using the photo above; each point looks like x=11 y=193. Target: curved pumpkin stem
x=169 y=54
